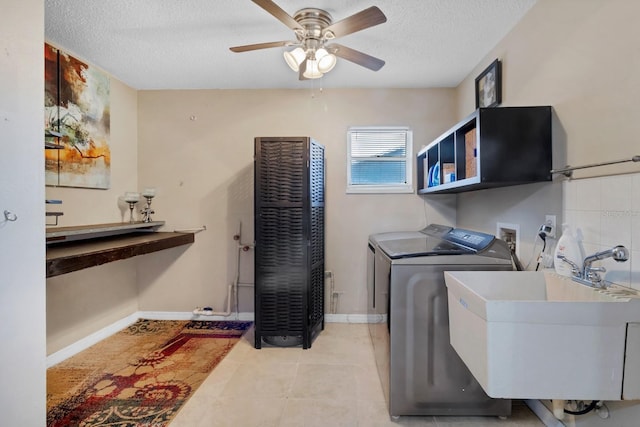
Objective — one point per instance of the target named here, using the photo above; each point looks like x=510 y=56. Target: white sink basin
x=535 y=335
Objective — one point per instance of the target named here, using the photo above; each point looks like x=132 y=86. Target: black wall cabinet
x=493 y=147
x=289 y=229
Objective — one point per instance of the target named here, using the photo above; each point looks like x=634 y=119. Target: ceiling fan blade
x=277 y=12
x=257 y=46
x=356 y=56
x=361 y=20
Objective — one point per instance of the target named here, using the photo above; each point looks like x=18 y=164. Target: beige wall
x=202 y=167
x=196 y=147
x=83 y=302
x=582 y=57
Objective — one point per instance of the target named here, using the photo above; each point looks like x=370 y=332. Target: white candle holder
x=132 y=198
x=149 y=194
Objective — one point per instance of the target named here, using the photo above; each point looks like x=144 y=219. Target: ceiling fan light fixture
x=326 y=60
x=312 y=71
x=295 y=58
x=313 y=28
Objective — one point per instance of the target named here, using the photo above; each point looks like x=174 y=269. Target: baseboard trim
x=354 y=318
x=88 y=341
x=187 y=315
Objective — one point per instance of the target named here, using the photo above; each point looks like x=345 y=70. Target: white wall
x=22 y=283
x=605 y=212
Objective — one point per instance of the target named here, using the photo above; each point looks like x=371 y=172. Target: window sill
x=379 y=189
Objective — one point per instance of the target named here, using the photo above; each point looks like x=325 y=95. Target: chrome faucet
x=589 y=275
x=576 y=271
x=618 y=253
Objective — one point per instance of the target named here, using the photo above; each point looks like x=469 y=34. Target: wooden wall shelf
x=67 y=257
x=56 y=235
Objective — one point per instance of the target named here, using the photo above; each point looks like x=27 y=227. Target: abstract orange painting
x=77 y=122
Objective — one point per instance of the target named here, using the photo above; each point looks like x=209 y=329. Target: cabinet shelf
x=492 y=147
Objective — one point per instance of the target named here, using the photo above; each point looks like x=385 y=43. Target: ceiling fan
x=315 y=53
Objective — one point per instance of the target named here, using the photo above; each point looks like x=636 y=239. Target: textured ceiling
x=171 y=44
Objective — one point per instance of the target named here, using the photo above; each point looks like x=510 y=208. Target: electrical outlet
x=510 y=233
x=550 y=220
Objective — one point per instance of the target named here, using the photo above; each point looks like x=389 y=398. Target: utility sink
x=539 y=335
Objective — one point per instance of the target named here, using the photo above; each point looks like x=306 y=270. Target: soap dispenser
x=568 y=247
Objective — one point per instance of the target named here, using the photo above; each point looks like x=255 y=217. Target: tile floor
x=335 y=383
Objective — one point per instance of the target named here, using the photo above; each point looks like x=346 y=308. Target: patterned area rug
x=140 y=376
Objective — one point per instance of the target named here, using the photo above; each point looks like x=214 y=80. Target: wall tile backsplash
x=604 y=212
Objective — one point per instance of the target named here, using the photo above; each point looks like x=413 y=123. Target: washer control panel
x=470 y=239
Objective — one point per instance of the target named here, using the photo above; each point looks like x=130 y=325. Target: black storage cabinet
x=492 y=147
x=289 y=235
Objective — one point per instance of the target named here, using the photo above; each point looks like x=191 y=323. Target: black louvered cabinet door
x=289 y=234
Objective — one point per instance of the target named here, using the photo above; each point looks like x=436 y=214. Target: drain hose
x=590 y=407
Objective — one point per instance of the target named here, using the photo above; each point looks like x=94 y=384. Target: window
x=379 y=160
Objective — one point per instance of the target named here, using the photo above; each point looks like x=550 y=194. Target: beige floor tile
x=191 y=413
x=353 y=330
x=376 y=414
x=334 y=383
x=368 y=383
x=275 y=354
x=269 y=379
x=245 y=351
x=319 y=413
x=241 y=412
x=213 y=385
x=242 y=348
x=341 y=350
x=315 y=381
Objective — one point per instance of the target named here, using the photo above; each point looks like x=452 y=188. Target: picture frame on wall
x=77 y=117
x=489 y=86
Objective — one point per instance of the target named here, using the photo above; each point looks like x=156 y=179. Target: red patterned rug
x=140 y=376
